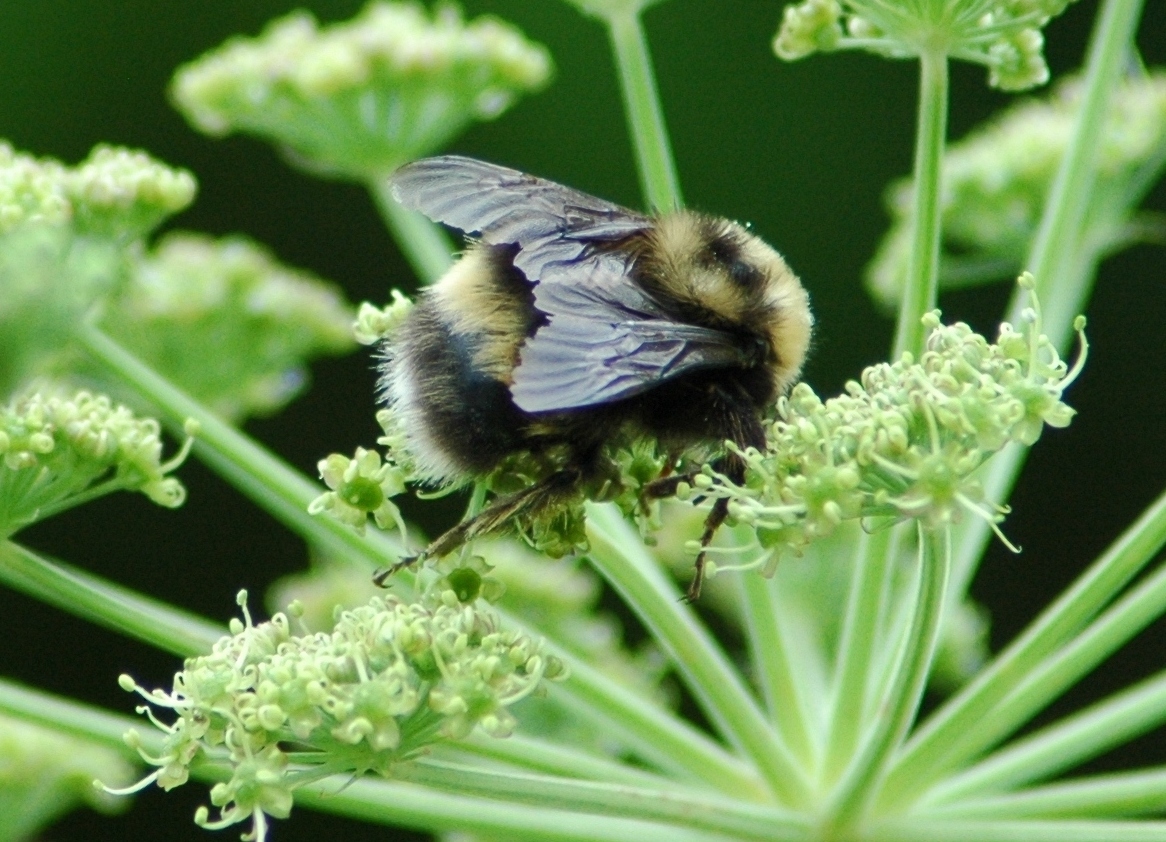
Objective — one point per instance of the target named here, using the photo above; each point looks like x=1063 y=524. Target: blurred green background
x=802 y=151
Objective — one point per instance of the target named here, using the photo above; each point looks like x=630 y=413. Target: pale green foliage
x=996 y=179
x=389 y=680
x=191 y=293
x=60 y=450
x=45 y=773
x=358 y=99
x=1003 y=35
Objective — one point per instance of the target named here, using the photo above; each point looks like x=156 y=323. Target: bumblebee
x=570 y=321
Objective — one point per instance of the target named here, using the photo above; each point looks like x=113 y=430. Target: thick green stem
x=774 y=667
x=926 y=756
x=1116 y=795
x=867 y=772
x=107 y=604
x=1058 y=242
x=657 y=169
x=861 y=633
x=618 y=554
x=674 y=805
x=424 y=243
x=924 y=830
x=920 y=291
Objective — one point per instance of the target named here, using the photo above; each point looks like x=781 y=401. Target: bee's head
x=714 y=272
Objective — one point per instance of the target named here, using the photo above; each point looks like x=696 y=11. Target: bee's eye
x=727 y=254
x=745 y=274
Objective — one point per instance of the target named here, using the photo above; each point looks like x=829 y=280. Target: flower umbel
x=116 y=192
x=996 y=179
x=1003 y=35
x=57 y=452
x=390 y=679
x=906 y=441
x=192 y=294
x=360 y=98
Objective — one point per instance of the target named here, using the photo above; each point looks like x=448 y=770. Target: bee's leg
x=490 y=519
x=713 y=522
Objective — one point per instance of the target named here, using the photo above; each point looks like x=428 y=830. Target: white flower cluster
x=906 y=441
x=1003 y=35
x=58 y=451
x=390 y=679
x=115 y=191
x=360 y=98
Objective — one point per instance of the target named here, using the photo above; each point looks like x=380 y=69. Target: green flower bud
x=57 y=451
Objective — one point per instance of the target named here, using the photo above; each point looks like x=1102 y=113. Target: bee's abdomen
x=460 y=421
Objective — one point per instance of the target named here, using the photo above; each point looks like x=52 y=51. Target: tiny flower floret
x=388 y=680
x=361 y=486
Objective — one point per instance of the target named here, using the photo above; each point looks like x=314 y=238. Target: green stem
x=552 y=758
x=861 y=633
x=1062 y=745
x=774 y=668
x=1063 y=284
x=925 y=757
x=1051 y=676
x=1059 y=237
x=920 y=291
x=1118 y=795
x=71 y=717
x=420 y=808
x=424 y=243
x=105 y=603
x=923 y=830
x=650 y=732
x=620 y=557
x=658 y=180
x=673 y=805
x=898 y=710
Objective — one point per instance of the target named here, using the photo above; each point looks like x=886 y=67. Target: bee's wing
x=551 y=224
x=606 y=340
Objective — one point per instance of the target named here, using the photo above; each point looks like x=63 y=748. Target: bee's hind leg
x=491 y=519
